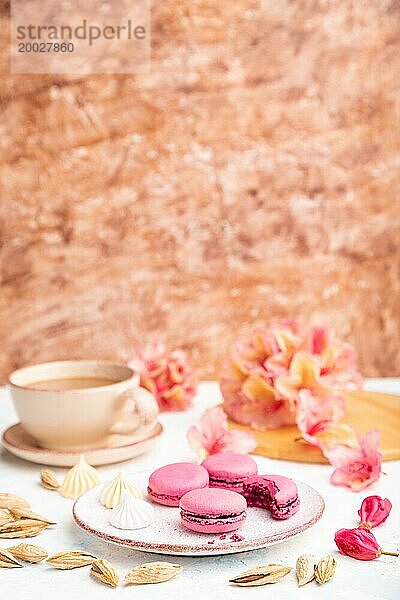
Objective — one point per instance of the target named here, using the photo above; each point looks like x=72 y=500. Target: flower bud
x=359 y=543
x=374 y=511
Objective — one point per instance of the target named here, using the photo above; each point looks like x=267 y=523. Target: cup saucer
x=21 y=444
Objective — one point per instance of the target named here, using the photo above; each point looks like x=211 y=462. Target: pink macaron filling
x=213 y=524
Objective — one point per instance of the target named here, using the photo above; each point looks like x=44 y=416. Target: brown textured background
x=253 y=174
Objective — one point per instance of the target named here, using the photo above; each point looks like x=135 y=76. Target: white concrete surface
x=204 y=577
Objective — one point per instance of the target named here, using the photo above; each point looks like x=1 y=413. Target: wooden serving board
x=364 y=411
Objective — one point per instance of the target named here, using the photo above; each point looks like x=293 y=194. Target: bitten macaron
x=274 y=492
x=229 y=470
x=168 y=484
x=213 y=510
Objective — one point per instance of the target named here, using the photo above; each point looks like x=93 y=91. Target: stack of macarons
x=213 y=497
x=229 y=470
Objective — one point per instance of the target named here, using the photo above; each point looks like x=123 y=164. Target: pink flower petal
x=334 y=434
x=317 y=418
x=197 y=442
x=319 y=336
x=214 y=436
x=239 y=441
x=370 y=443
x=213 y=424
x=357 y=468
x=341 y=456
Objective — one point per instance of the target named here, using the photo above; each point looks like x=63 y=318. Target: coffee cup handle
x=137 y=411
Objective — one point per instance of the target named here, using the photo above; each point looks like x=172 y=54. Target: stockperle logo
x=80 y=38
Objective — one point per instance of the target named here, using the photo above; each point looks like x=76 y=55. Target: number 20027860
x=45 y=47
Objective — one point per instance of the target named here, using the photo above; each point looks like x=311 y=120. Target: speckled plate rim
x=205 y=550
x=58 y=458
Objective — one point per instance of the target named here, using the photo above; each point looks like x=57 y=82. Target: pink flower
x=318 y=407
x=167 y=375
x=257 y=403
x=357 y=468
x=318 y=421
x=265 y=374
x=374 y=511
x=338 y=360
x=335 y=434
x=249 y=373
x=359 y=543
x=213 y=435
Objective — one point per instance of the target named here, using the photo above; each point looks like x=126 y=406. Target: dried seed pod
x=7 y=561
x=104 y=571
x=48 y=479
x=71 y=560
x=12 y=501
x=26 y=513
x=261 y=575
x=22 y=528
x=5 y=516
x=305 y=569
x=325 y=569
x=28 y=553
x=155 y=572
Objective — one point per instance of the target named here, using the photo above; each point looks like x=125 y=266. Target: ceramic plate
x=21 y=444
x=167 y=536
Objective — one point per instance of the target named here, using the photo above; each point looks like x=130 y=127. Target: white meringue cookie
x=132 y=513
x=81 y=478
x=111 y=495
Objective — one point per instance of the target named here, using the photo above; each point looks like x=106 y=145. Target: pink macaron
x=213 y=510
x=229 y=470
x=276 y=493
x=168 y=484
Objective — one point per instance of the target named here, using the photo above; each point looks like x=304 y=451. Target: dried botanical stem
x=389 y=553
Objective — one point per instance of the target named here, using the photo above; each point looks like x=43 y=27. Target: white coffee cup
x=105 y=401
